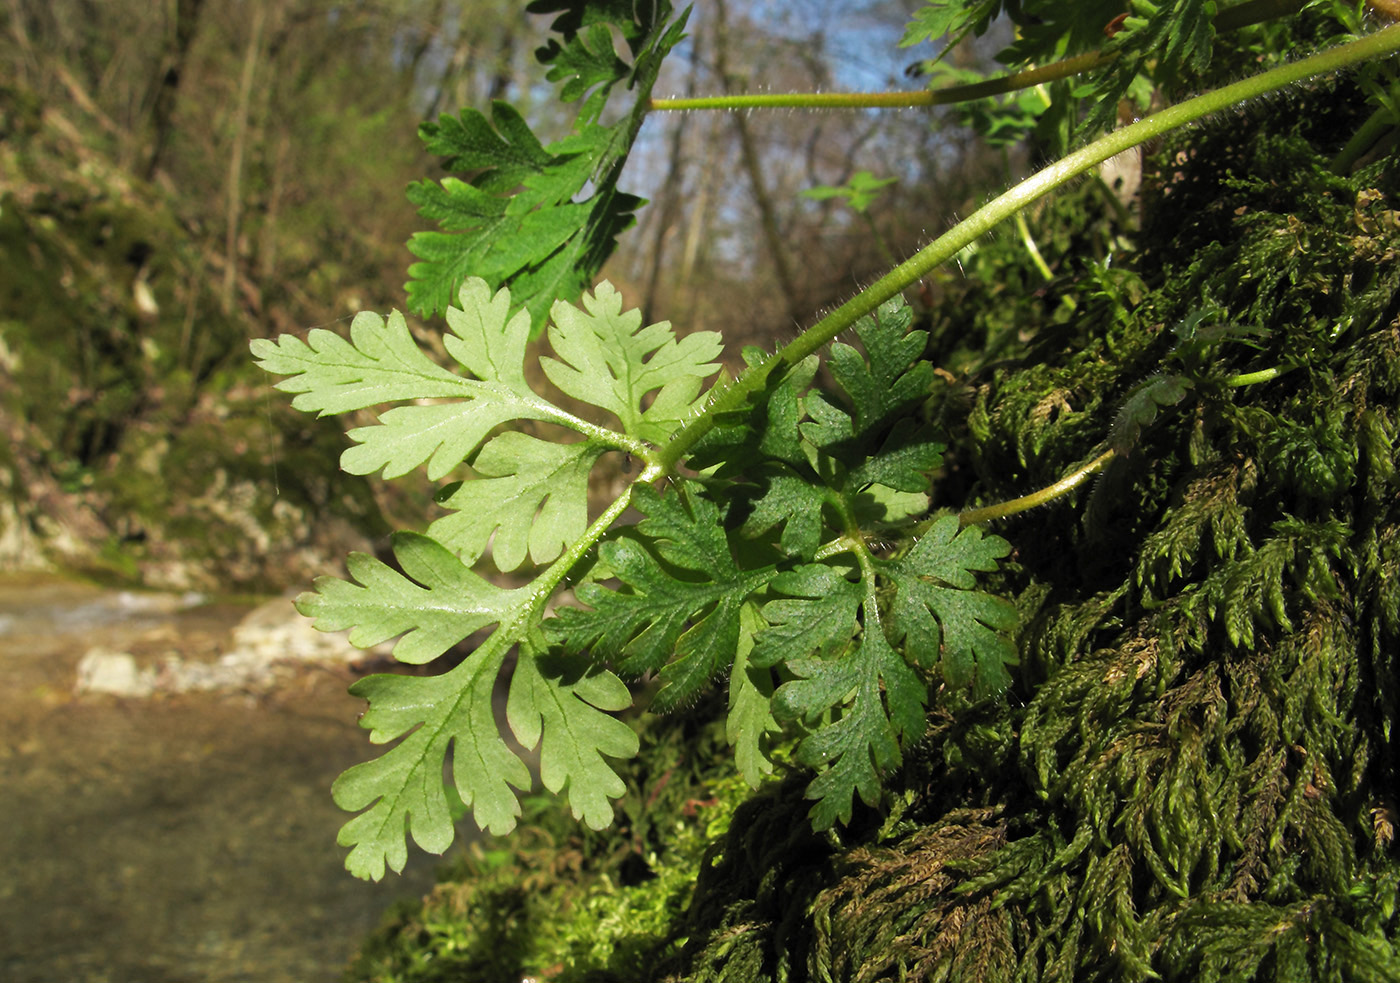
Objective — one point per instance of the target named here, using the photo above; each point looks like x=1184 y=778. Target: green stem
x=1233 y=18
x=599 y=435
x=1263 y=375
x=1049 y=493
x=1377 y=125
x=981 y=222
x=543 y=586
x=1029 y=242
x=892 y=100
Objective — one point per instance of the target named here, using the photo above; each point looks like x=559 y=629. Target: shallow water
x=184 y=837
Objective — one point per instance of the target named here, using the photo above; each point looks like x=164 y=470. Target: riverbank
x=183 y=836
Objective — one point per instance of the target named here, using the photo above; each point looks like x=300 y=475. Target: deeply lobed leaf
x=687 y=628
x=560 y=708
x=522 y=219
x=608 y=359
x=528 y=501
x=451 y=603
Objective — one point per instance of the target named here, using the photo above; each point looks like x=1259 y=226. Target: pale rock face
x=262 y=648
x=275 y=632
x=103 y=670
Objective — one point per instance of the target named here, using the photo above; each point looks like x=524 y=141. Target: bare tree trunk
x=23 y=61
x=768 y=218
x=670 y=193
x=235 y=166
x=168 y=87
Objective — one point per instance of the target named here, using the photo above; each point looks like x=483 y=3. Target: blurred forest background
x=178 y=177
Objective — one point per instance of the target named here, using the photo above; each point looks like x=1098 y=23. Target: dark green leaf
x=1140 y=410
x=941 y=619
x=686 y=629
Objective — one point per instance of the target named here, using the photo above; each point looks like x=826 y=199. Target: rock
x=103 y=670
x=262 y=648
x=275 y=632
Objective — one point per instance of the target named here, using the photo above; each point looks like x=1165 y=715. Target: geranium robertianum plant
x=787 y=545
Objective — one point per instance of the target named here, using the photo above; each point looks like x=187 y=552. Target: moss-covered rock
x=139 y=441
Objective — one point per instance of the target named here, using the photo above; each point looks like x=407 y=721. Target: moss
x=559 y=902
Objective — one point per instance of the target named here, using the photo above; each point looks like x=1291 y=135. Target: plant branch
x=978 y=224
x=1049 y=493
x=544 y=585
x=1233 y=18
x=893 y=100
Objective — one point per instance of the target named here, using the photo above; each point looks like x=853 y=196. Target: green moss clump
x=560 y=902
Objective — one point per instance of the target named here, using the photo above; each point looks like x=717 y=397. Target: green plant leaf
x=522 y=219
x=766 y=426
x=380 y=363
x=684 y=627
x=882 y=383
x=532 y=239
x=934 y=20
x=529 y=494
x=941 y=619
x=560 y=707
x=750 y=718
x=588 y=60
x=451 y=603
x=903 y=463
x=402 y=790
x=792 y=500
x=892 y=376
x=859 y=192
x=608 y=359
x=1139 y=412
x=881 y=700
x=817 y=616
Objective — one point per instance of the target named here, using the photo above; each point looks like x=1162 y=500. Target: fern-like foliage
x=541 y=219
x=761 y=570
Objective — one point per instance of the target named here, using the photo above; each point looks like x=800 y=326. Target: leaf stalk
x=1047 y=494
x=945 y=247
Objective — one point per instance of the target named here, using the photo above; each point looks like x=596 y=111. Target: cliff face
x=136 y=439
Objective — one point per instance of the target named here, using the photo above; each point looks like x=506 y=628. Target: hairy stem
x=544 y=585
x=1233 y=18
x=946 y=246
x=892 y=100
x=1049 y=493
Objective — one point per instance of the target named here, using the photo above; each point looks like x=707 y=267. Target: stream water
x=177 y=838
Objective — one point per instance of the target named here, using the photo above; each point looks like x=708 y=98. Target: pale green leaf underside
x=451 y=603
x=403 y=790
x=530 y=494
x=441 y=435
x=608 y=360
x=566 y=718
x=380 y=363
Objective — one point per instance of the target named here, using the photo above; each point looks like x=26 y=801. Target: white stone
x=102 y=670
